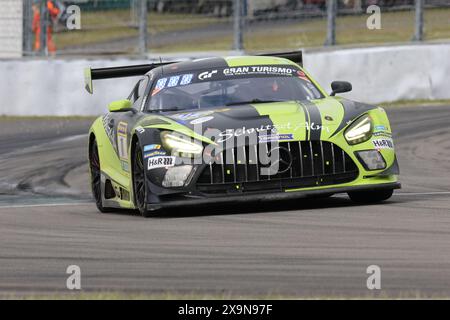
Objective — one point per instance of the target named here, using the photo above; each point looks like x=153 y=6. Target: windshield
x=231 y=86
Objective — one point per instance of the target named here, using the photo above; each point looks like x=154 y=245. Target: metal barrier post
x=143 y=36
x=418 y=34
x=27 y=31
x=331 y=22
x=238 y=26
x=44 y=24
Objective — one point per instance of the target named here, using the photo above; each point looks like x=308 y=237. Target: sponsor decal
x=161 y=83
x=122 y=140
x=139 y=129
x=174 y=81
x=382 y=134
x=206 y=75
x=313 y=126
x=160 y=162
x=192 y=115
x=302 y=76
x=122 y=128
x=276 y=137
x=268 y=130
x=125 y=166
x=151 y=147
x=201 y=120
x=380 y=128
x=383 y=144
x=230 y=133
x=186 y=79
x=261 y=70
x=154 y=153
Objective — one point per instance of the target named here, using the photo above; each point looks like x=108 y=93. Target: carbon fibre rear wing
x=140 y=70
x=294 y=56
x=117 y=72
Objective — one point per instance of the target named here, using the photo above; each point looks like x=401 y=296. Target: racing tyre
x=139 y=185
x=370 y=196
x=96 y=183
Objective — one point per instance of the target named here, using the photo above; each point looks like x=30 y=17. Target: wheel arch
x=92 y=138
x=134 y=142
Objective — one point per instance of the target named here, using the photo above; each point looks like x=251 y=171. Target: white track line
x=421 y=193
x=44 y=205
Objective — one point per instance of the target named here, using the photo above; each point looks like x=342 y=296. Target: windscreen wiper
x=251 y=101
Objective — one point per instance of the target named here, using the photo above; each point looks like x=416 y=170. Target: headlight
x=359 y=131
x=180 y=145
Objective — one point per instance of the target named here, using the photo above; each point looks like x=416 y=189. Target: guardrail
x=56 y=87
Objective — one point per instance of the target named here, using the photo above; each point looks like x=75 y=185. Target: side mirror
x=340 y=87
x=120 y=106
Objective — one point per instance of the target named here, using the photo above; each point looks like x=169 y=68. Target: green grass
x=103 y=26
x=414 y=103
x=44 y=118
x=396 y=27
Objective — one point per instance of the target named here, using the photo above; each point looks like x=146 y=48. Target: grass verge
x=397 y=27
x=415 y=103
x=104 y=26
x=99 y=28
x=46 y=118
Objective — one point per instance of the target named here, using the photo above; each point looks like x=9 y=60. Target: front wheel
x=370 y=196
x=139 y=183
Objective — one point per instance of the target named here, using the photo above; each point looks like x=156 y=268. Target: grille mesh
x=313 y=163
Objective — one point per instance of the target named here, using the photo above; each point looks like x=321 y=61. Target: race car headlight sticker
x=176 y=176
x=359 y=131
x=180 y=145
x=371 y=159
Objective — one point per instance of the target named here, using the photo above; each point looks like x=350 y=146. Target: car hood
x=293 y=120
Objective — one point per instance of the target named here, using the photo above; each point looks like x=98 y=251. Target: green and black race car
x=235 y=129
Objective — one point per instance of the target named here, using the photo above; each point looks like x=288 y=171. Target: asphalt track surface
x=302 y=248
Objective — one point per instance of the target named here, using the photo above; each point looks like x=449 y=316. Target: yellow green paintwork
x=283 y=115
x=119 y=105
x=110 y=163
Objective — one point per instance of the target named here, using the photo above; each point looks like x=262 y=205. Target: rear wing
x=140 y=70
x=294 y=56
x=117 y=72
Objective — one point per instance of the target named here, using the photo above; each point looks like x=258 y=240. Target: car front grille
x=312 y=164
